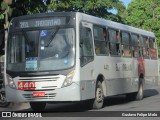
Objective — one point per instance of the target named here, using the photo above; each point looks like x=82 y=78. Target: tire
x=4 y=104
x=38 y=106
x=99 y=96
x=137 y=95
x=3 y=100
x=140 y=93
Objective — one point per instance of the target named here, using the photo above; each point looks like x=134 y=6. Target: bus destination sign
x=44 y=22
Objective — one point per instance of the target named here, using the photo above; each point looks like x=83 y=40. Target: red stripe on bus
x=141 y=68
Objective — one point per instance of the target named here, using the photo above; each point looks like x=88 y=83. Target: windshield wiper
x=52 y=37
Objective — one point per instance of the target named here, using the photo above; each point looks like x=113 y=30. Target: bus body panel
x=151 y=75
x=119 y=73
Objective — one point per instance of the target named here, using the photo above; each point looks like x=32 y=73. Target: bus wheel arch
x=101 y=78
x=100 y=92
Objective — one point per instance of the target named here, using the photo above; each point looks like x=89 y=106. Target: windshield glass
x=41 y=50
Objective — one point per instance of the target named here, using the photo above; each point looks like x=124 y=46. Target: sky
x=126 y=2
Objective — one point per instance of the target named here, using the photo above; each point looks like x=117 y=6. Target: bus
x=73 y=57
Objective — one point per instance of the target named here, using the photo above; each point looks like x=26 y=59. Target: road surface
x=114 y=107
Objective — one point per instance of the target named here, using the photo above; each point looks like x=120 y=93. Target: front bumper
x=65 y=94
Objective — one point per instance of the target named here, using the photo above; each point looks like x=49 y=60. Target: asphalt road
x=115 y=107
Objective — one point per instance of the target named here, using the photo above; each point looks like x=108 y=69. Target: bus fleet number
x=25 y=85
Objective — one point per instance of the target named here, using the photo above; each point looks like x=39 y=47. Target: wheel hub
x=99 y=95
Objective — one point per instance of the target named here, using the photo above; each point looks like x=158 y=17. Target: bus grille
x=47 y=96
x=45 y=83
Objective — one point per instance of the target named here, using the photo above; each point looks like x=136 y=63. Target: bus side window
x=86 y=45
x=99 y=40
x=135 y=42
x=153 y=50
x=114 y=42
x=145 y=47
x=126 y=47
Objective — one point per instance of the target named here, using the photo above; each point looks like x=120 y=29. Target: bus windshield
x=41 y=50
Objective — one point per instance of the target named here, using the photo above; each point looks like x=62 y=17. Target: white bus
x=71 y=57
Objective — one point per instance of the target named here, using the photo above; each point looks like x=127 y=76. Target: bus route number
x=24 y=25
x=25 y=85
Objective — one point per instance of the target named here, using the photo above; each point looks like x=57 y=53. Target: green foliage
x=145 y=14
x=18 y=8
x=1 y=16
x=2 y=9
x=93 y=7
x=3 y=6
x=24 y=7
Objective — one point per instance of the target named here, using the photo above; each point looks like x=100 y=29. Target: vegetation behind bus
x=144 y=14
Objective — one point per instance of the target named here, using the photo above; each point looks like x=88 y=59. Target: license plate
x=26 y=85
x=39 y=94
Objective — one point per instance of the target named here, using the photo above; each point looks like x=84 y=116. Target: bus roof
x=115 y=25
x=41 y=15
x=92 y=19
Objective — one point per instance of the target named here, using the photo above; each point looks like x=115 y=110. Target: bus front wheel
x=38 y=106
x=99 y=96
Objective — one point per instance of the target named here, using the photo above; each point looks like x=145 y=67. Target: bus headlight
x=11 y=82
x=68 y=80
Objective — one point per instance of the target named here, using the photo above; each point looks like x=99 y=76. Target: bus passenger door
x=86 y=61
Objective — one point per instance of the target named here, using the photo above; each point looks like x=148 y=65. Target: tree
x=14 y=8
x=93 y=7
x=25 y=7
x=5 y=7
x=145 y=14
x=5 y=10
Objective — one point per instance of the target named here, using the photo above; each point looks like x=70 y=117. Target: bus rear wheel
x=38 y=106
x=140 y=93
x=137 y=95
x=99 y=96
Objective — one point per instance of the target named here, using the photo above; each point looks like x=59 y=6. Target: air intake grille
x=47 y=96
